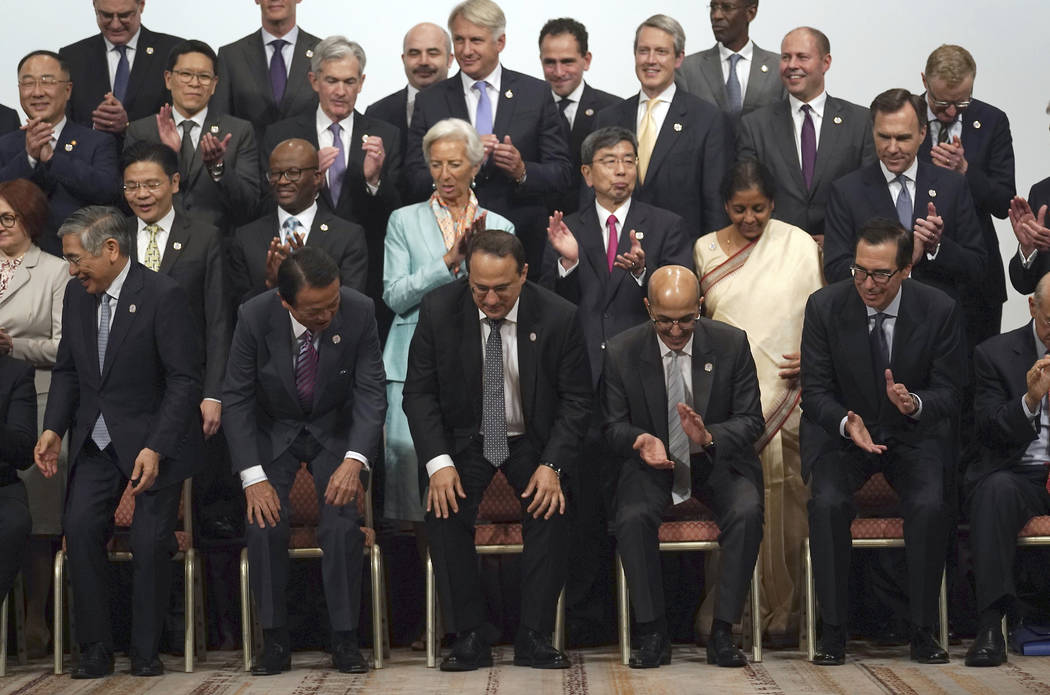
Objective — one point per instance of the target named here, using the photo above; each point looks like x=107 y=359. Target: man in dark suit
x=564 y=57
x=676 y=437
x=973 y=138
x=809 y=139
x=1008 y=484
x=218 y=160
x=526 y=145
x=883 y=368
x=262 y=77
x=683 y=141
x=73 y=165
x=299 y=219
x=128 y=382
x=518 y=402
x=118 y=72
x=305 y=383
x=17 y=436
x=8 y=120
x=734 y=74
x=1028 y=218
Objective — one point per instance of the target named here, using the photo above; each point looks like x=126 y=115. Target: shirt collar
x=909 y=172
x=744 y=52
x=492 y=78
x=56 y=130
x=816 y=103
x=666 y=351
x=197 y=118
x=620 y=212
x=1040 y=347
x=573 y=96
x=931 y=116
x=132 y=42
x=892 y=310
x=290 y=37
x=306 y=217
x=165 y=223
x=323 y=122
x=666 y=95
x=412 y=92
x=511 y=317
x=118 y=282
x=297 y=328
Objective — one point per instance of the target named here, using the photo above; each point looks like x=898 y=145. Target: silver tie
x=100 y=433
x=493 y=399
x=678 y=443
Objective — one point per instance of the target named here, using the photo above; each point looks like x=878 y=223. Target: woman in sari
x=756 y=274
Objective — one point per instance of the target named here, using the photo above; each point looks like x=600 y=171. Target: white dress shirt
x=165 y=224
x=798 y=117
x=113 y=55
x=895 y=190
x=685 y=365
x=660 y=109
x=410 y=103
x=1035 y=456
x=494 y=79
x=574 y=97
x=306 y=219
x=603 y=222
x=743 y=66
x=325 y=138
x=56 y=135
x=287 y=51
x=113 y=291
x=198 y=118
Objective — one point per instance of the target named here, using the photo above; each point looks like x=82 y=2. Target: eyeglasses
x=293 y=174
x=666 y=324
x=132 y=186
x=723 y=7
x=941 y=104
x=28 y=84
x=185 y=77
x=8 y=219
x=73 y=260
x=610 y=162
x=500 y=290
x=879 y=277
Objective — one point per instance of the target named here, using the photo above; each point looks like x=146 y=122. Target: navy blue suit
x=1024 y=279
x=9 y=120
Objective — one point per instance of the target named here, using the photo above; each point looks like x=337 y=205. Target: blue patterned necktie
x=100 y=433
x=483 y=117
x=120 y=79
x=493 y=400
x=733 y=92
x=677 y=441
x=290 y=228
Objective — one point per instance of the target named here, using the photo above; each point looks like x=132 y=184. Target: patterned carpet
x=868 y=670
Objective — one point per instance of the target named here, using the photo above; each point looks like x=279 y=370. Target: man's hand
x=211 y=417
x=264 y=506
x=791 y=367
x=899 y=396
x=326 y=158
x=506 y=156
x=46 y=452
x=213 y=149
x=928 y=230
x=1037 y=378
x=1030 y=229
x=489 y=142
x=693 y=425
x=38 y=139
x=444 y=488
x=562 y=240
x=6 y=344
x=375 y=155
x=548 y=496
x=110 y=115
x=144 y=474
x=276 y=254
x=950 y=155
x=634 y=260
x=652 y=451
x=858 y=432
x=345 y=483
x=166 y=129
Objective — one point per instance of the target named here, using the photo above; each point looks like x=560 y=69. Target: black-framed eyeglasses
x=185 y=77
x=133 y=186
x=8 y=219
x=879 y=277
x=665 y=323
x=293 y=174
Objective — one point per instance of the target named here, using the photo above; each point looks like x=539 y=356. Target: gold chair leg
x=811 y=603
x=559 y=622
x=246 y=611
x=377 y=607
x=431 y=610
x=756 y=613
x=3 y=635
x=623 y=612
x=943 y=608
x=60 y=560
x=1006 y=634
x=386 y=604
x=189 y=562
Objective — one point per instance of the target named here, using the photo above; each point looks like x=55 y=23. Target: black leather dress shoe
x=470 y=652
x=722 y=651
x=653 y=650
x=96 y=661
x=988 y=648
x=346 y=657
x=534 y=649
x=275 y=658
x=831 y=652
x=925 y=649
x=147 y=667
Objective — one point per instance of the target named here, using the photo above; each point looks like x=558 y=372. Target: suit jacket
x=1024 y=279
x=31 y=311
x=393 y=109
x=689 y=159
x=261 y=413
x=610 y=303
x=9 y=120
x=701 y=74
x=82 y=171
x=863 y=195
x=193 y=257
x=592 y=101
x=149 y=390
x=343 y=241
x=989 y=151
x=89 y=71
x=768 y=135
x=928 y=356
x=17 y=418
x=443 y=393
x=233 y=199
x=724 y=387
x=244 y=87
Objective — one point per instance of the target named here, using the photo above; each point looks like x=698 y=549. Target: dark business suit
x=82 y=171
x=393 y=109
x=17 y=438
x=9 y=120
x=583 y=124
x=526 y=112
x=149 y=392
x=89 y=72
x=729 y=479
x=443 y=402
x=928 y=356
x=244 y=88
x=689 y=159
x=266 y=425
x=1024 y=279
x=701 y=74
x=845 y=145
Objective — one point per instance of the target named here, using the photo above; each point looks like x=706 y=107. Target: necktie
x=646 y=138
x=187 y=149
x=290 y=227
x=152 y=257
x=306 y=370
x=614 y=240
x=562 y=105
x=120 y=79
x=493 y=399
x=733 y=93
x=677 y=442
x=904 y=204
x=337 y=171
x=809 y=146
x=278 y=70
x=880 y=349
x=483 y=117
x=100 y=433
x=944 y=132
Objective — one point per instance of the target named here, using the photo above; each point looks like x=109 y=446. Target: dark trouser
x=95 y=487
x=543 y=564
x=641 y=498
x=916 y=473
x=15 y=525
x=339 y=536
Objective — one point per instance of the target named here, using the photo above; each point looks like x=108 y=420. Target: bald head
x=1042 y=292
x=427 y=54
x=294 y=175
x=673 y=285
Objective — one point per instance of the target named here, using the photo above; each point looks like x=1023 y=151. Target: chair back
x=876 y=498
x=302 y=498
x=499 y=504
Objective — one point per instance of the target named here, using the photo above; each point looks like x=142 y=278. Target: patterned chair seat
x=1036 y=526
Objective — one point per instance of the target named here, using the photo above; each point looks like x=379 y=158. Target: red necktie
x=613 y=241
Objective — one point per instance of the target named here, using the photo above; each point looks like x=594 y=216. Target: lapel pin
x=764 y=68
x=149 y=50
x=708 y=367
x=589 y=112
x=324 y=227
x=309 y=53
x=131 y=309
x=678 y=127
x=509 y=94
x=532 y=337
x=976 y=124
x=364 y=139
x=69 y=147
x=837 y=120
x=336 y=339
x=932 y=193
x=638 y=235
x=177 y=245
x=214 y=129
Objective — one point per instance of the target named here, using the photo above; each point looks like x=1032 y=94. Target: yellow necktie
x=152 y=259
x=646 y=139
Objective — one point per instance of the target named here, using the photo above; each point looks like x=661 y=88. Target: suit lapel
x=635 y=220
x=124 y=314
x=879 y=192
x=583 y=123
x=98 y=61
x=279 y=343
x=591 y=239
x=331 y=349
x=704 y=366
x=529 y=329
x=319 y=230
x=831 y=133
x=505 y=109
x=298 y=79
x=178 y=237
x=355 y=158
x=925 y=190
x=784 y=136
x=21 y=274
x=667 y=140
x=144 y=57
x=654 y=386
x=757 y=76
x=855 y=341
x=470 y=350
x=711 y=69
x=972 y=133
x=457 y=103
x=255 y=54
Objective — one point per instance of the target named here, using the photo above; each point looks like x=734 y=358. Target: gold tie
x=152 y=259
x=646 y=139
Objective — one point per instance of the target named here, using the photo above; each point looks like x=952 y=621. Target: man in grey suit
x=734 y=74
x=218 y=161
x=809 y=139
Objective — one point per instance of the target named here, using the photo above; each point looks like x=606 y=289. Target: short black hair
x=893 y=100
x=609 y=136
x=880 y=230
x=144 y=151
x=745 y=175
x=190 y=46
x=565 y=25
x=50 y=54
x=497 y=243
x=306 y=266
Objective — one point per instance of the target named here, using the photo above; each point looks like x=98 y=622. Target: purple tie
x=809 y=147
x=337 y=171
x=120 y=79
x=278 y=70
x=306 y=370
x=610 y=251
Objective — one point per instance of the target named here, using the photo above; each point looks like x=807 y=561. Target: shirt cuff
x=251 y=476
x=562 y=272
x=933 y=256
x=372 y=190
x=842 y=427
x=358 y=457
x=214 y=400
x=1026 y=263
x=1028 y=413
x=918 y=411
x=640 y=279
x=437 y=463
x=32 y=162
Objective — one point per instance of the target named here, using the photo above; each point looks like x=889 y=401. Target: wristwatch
x=551 y=466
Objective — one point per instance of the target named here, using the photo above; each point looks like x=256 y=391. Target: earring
x=473 y=183
x=433 y=186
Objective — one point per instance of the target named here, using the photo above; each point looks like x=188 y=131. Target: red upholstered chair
x=498 y=532
x=119 y=551
x=304 y=518
x=1035 y=533
x=688 y=527
x=876 y=526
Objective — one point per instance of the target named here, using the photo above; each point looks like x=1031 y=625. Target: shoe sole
x=455 y=668
x=546 y=666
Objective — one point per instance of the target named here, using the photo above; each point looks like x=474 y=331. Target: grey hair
x=484 y=13
x=668 y=24
x=96 y=223
x=455 y=129
x=610 y=136
x=336 y=48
